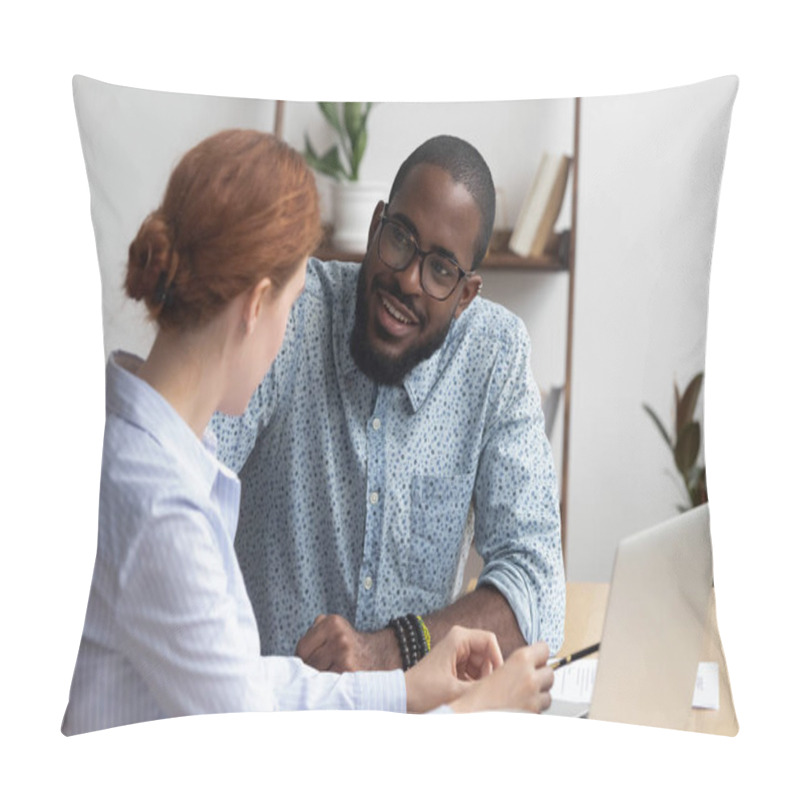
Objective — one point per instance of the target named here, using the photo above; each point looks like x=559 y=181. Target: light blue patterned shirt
x=169 y=628
x=356 y=497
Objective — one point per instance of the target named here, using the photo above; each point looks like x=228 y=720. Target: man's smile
x=396 y=318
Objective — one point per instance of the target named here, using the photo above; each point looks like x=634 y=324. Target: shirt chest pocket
x=439 y=509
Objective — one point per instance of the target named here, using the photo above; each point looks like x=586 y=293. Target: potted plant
x=685 y=443
x=354 y=199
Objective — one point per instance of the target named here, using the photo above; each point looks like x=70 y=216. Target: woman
x=169 y=628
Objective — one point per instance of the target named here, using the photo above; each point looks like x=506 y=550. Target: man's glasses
x=397 y=250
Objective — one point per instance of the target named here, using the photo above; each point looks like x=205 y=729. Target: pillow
x=649 y=168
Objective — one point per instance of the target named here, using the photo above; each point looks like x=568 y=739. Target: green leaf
x=687 y=448
x=310 y=153
x=361 y=141
x=362 y=125
x=365 y=117
x=331 y=113
x=359 y=146
x=677 y=394
x=701 y=489
x=356 y=115
x=352 y=120
x=657 y=421
x=688 y=402
x=329 y=164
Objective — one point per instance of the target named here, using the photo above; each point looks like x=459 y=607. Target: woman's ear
x=255 y=300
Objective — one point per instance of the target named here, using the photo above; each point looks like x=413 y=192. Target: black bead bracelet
x=413 y=638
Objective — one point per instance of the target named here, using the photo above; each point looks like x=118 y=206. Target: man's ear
x=469 y=291
x=376 y=220
x=255 y=299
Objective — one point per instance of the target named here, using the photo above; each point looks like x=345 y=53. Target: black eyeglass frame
x=422 y=255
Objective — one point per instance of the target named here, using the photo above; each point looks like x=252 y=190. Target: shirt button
x=373 y=498
x=368 y=583
x=376 y=424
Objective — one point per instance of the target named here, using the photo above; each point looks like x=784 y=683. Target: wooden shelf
x=327 y=252
x=498 y=256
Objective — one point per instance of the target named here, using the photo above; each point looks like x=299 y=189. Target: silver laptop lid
x=654 y=624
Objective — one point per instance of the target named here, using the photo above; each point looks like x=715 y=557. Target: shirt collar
x=139 y=404
x=420 y=380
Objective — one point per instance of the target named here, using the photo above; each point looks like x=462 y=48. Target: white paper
x=706 y=689
x=575 y=682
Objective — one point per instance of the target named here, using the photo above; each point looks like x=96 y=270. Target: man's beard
x=383 y=369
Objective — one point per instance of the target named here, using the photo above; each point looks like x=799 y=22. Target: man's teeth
x=395 y=313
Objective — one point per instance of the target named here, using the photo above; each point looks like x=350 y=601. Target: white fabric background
x=53 y=385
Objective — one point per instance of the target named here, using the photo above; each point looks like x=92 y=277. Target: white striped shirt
x=169 y=627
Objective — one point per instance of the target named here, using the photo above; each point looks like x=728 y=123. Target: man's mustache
x=407 y=300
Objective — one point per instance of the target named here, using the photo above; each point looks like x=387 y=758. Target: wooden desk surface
x=586 y=605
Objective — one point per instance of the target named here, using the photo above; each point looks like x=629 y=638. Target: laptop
x=654 y=626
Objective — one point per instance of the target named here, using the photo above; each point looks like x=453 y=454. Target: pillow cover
x=630 y=316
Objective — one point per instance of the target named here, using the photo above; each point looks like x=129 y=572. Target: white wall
x=647 y=169
x=139 y=138
x=648 y=188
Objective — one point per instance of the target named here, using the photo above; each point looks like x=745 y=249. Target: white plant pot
x=353 y=206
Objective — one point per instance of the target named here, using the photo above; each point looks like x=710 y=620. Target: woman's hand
x=452 y=668
x=523 y=683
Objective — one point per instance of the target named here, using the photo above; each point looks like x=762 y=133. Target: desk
x=586 y=605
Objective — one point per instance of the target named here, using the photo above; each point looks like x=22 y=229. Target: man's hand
x=331 y=644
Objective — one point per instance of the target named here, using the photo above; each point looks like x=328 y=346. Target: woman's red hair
x=240 y=206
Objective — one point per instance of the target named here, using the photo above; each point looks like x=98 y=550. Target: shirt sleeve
x=181 y=627
x=306 y=688
x=517 y=517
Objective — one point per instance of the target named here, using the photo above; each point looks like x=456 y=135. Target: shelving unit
x=500 y=258
x=497 y=257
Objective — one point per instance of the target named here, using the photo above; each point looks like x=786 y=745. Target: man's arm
x=484 y=608
x=332 y=644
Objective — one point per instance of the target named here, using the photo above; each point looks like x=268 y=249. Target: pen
x=587 y=651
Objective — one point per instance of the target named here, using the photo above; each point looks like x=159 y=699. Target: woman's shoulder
x=141 y=477
x=150 y=498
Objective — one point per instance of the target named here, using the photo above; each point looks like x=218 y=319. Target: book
x=542 y=205
x=553 y=206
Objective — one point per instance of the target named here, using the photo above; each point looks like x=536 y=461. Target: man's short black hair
x=466 y=166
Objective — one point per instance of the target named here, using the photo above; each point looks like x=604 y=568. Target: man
x=400 y=399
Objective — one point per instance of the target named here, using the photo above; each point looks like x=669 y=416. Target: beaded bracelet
x=413 y=638
x=426 y=634
x=402 y=642
x=412 y=632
